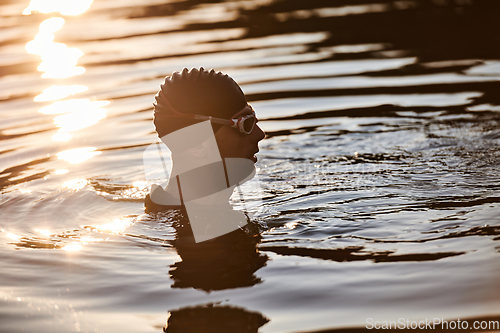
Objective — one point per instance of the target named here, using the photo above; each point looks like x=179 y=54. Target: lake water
x=379 y=175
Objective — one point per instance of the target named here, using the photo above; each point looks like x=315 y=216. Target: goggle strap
x=231 y=122
x=214 y=119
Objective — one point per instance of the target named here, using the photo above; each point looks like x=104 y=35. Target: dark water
x=379 y=177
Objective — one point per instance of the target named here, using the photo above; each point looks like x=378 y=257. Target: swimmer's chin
x=253 y=158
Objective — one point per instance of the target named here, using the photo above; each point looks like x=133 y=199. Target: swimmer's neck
x=172 y=187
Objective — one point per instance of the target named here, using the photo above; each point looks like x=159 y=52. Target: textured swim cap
x=196 y=91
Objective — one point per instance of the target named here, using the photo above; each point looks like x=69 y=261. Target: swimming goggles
x=244 y=124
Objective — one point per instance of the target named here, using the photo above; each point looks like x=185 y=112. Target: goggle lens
x=248 y=124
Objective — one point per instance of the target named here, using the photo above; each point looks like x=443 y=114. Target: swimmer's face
x=233 y=143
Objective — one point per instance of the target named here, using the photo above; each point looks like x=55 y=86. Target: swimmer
x=204 y=119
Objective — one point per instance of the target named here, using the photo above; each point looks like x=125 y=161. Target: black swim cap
x=196 y=91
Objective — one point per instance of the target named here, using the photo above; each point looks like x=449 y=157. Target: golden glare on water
x=61 y=137
x=78 y=155
x=80 y=113
x=64 y=7
x=72 y=105
x=58 y=60
x=58 y=92
x=140 y=184
x=291 y=225
x=61 y=62
x=115 y=227
x=72 y=247
x=136 y=191
x=76 y=184
x=13 y=236
x=76 y=120
x=88 y=239
x=77 y=246
x=43 y=232
x=45 y=37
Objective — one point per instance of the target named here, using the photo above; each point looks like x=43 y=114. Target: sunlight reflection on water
x=45 y=233
x=79 y=119
x=58 y=92
x=64 y=7
x=78 y=155
x=117 y=226
x=80 y=113
x=58 y=61
x=72 y=247
x=76 y=184
x=378 y=174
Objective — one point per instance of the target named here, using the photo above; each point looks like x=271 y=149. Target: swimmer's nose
x=258 y=133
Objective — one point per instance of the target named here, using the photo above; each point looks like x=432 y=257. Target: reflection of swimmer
x=228 y=261
x=203 y=117
x=207 y=164
x=217 y=319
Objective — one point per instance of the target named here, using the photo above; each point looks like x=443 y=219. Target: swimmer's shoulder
x=151 y=207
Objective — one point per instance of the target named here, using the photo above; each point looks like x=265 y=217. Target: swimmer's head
x=207 y=93
x=197 y=91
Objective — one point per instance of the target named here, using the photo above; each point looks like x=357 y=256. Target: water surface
x=379 y=175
